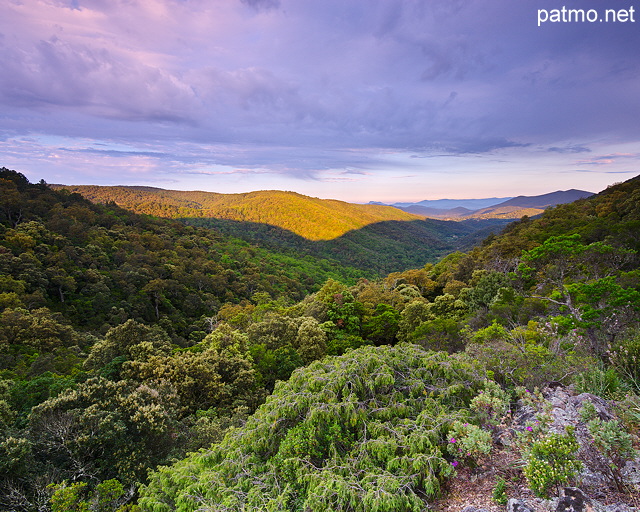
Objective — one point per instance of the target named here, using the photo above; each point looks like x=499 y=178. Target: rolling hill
x=309 y=217
x=376 y=238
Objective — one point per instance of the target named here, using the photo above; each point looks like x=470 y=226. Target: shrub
x=551 y=461
x=624 y=356
x=468 y=442
x=604 y=383
x=490 y=404
x=366 y=431
x=613 y=443
x=499 y=494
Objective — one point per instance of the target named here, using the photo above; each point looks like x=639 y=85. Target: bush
x=468 y=442
x=552 y=461
x=604 y=383
x=624 y=356
x=490 y=404
x=528 y=365
x=499 y=494
x=612 y=441
x=366 y=431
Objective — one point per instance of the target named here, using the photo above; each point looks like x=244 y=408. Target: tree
x=579 y=279
x=104 y=429
x=365 y=431
x=127 y=342
x=311 y=340
x=382 y=327
x=202 y=379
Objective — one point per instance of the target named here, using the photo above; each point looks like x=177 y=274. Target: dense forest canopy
x=129 y=341
x=373 y=238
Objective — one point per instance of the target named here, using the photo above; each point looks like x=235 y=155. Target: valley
x=172 y=362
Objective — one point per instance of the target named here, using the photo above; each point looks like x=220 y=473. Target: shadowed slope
x=309 y=217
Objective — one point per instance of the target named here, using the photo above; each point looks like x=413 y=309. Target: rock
x=574 y=500
x=619 y=507
x=631 y=472
x=602 y=408
x=514 y=505
x=471 y=508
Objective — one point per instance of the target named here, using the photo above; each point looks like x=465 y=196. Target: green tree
x=364 y=431
x=104 y=429
x=127 y=342
x=382 y=327
x=311 y=340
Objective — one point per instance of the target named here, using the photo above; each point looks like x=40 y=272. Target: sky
x=358 y=100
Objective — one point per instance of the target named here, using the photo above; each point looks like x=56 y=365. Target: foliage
x=612 y=441
x=100 y=265
x=468 y=442
x=106 y=429
x=600 y=382
x=552 y=461
x=127 y=341
x=68 y=498
x=499 y=493
x=514 y=363
x=312 y=218
x=624 y=356
x=373 y=238
x=491 y=404
x=364 y=431
x=108 y=496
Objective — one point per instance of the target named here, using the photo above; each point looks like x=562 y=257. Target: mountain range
x=494 y=207
x=309 y=217
x=370 y=237
x=376 y=238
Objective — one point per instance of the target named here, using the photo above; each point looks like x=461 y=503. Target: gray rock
x=631 y=472
x=619 y=507
x=470 y=508
x=574 y=500
x=514 y=505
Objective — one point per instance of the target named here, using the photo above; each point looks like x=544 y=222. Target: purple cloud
x=304 y=89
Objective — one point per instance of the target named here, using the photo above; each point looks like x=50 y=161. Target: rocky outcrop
x=563 y=406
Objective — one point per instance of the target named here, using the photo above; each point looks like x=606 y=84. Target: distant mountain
x=611 y=216
x=530 y=205
x=437 y=213
x=449 y=204
x=491 y=208
x=375 y=238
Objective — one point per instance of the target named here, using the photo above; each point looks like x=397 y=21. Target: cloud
x=609 y=159
x=569 y=149
x=302 y=88
x=56 y=73
x=262 y=4
x=592 y=171
x=480 y=145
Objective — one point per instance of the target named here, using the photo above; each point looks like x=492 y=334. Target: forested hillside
x=127 y=342
x=373 y=238
x=308 y=217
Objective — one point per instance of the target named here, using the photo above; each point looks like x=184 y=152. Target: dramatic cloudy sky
x=359 y=100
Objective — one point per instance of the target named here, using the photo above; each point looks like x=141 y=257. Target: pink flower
x=452 y=440
x=530 y=429
x=454 y=463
